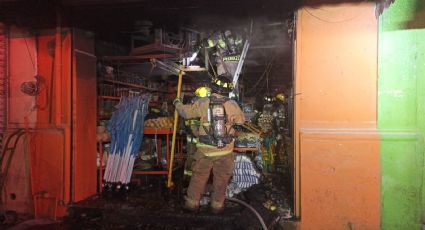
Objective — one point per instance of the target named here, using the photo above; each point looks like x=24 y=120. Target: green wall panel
x=401 y=113
x=401 y=182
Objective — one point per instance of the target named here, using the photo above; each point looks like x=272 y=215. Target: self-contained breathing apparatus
x=216 y=130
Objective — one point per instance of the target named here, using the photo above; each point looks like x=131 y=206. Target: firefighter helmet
x=203 y=91
x=222 y=85
x=280 y=97
x=268 y=99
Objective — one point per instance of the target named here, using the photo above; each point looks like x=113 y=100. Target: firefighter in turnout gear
x=214 y=148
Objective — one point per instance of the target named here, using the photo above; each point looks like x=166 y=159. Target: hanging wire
x=324 y=20
x=266 y=70
x=254 y=87
x=267 y=82
x=29 y=54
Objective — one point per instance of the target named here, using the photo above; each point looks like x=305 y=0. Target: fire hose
x=250 y=208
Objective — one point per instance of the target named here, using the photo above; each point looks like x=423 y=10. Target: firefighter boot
x=216 y=208
x=191 y=205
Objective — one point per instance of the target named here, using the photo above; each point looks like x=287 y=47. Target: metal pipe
x=173 y=140
x=58 y=69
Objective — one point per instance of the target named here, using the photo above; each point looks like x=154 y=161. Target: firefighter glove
x=177 y=100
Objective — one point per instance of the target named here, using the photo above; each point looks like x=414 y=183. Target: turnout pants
x=222 y=168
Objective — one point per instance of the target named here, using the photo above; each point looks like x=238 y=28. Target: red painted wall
x=58 y=135
x=22 y=67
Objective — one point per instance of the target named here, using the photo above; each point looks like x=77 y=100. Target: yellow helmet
x=203 y=91
x=222 y=84
x=280 y=97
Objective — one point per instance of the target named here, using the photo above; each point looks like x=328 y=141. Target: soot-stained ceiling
x=269 y=59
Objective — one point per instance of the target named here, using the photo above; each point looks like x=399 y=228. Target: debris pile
x=269 y=195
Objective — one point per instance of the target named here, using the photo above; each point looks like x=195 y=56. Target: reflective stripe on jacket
x=213 y=151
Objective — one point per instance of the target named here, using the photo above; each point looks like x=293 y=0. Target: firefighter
x=280 y=115
x=217 y=115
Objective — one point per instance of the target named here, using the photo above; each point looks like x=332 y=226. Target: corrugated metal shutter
x=3 y=83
